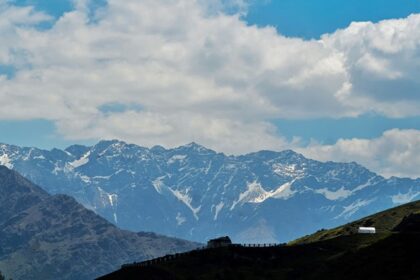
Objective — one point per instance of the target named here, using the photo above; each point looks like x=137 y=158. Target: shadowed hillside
x=54 y=237
x=340 y=253
x=402 y=218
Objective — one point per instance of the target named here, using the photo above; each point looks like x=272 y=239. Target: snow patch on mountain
x=113 y=199
x=402 y=198
x=290 y=170
x=202 y=185
x=217 y=208
x=5 y=161
x=56 y=169
x=81 y=161
x=363 y=186
x=85 y=178
x=41 y=157
x=107 y=199
x=339 y=194
x=102 y=177
x=28 y=155
x=255 y=193
x=180 y=219
x=328 y=208
x=158 y=184
x=351 y=209
x=176 y=158
x=187 y=200
x=283 y=192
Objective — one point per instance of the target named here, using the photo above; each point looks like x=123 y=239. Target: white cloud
x=382 y=61
x=13 y=19
x=173 y=130
x=395 y=153
x=198 y=73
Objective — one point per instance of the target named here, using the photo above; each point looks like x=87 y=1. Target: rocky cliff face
x=54 y=237
x=196 y=193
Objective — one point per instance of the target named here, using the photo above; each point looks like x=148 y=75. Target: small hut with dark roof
x=219 y=242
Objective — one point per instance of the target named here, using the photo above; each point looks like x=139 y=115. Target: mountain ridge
x=198 y=193
x=46 y=236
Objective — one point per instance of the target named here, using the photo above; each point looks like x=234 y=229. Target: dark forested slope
x=54 y=237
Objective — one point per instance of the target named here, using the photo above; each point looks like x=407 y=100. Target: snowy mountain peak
x=158 y=149
x=77 y=150
x=195 y=148
x=197 y=193
x=286 y=155
x=109 y=144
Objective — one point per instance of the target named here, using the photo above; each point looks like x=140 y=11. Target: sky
x=332 y=79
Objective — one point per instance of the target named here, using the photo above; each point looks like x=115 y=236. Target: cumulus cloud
x=395 y=153
x=13 y=19
x=188 y=70
x=382 y=61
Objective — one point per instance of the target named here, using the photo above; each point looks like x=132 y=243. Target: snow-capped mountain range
x=195 y=193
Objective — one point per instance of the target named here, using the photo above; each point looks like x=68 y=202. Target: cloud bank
x=395 y=153
x=187 y=71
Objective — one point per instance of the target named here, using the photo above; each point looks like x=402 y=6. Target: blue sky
x=312 y=18
x=42 y=133
x=294 y=18
x=35 y=133
x=52 y=7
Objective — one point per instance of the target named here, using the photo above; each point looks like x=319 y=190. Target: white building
x=367 y=230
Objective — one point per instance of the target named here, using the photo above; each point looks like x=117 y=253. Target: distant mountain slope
x=390 y=254
x=197 y=193
x=54 y=237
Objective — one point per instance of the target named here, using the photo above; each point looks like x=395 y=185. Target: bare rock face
x=54 y=237
x=195 y=193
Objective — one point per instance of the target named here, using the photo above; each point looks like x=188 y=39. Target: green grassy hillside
x=340 y=253
x=385 y=223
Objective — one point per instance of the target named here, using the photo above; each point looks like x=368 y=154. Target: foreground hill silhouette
x=54 y=237
x=340 y=253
